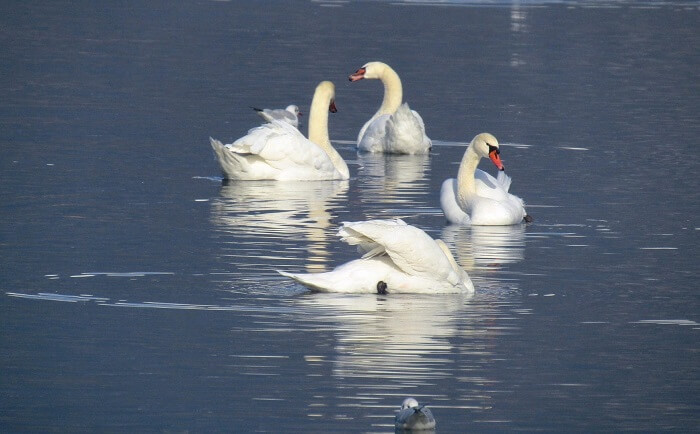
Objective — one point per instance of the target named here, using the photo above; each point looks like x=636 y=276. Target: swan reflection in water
x=396 y=179
x=266 y=220
x=482 y=250
x=386 y=347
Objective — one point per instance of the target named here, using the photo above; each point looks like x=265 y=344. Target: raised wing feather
x=412 y=250
x=283 y=148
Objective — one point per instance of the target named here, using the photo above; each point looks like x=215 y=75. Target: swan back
x=405 y=132
x=400 y=257
x=410 y=248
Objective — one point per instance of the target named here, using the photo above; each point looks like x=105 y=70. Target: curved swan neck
x=393 y=91
x=318 y=119
x=318 y=126
x=466 y=186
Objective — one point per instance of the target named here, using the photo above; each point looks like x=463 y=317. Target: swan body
x=412 y=416
x=402 y=257
x=278 y=151
x=394 y=128
x=477 y=198
x=289 y=115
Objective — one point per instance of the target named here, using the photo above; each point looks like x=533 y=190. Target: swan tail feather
x=312 y=281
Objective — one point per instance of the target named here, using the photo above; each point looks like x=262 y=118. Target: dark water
x=139 y=294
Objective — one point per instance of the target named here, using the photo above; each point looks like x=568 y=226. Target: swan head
x=294 y=109
x=486 y=146
x=369 y=70
x=409 y=403
x=327 y=89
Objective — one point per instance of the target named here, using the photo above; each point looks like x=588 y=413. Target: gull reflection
x=264 y=218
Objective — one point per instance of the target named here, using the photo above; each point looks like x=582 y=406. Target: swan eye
x=493 y=149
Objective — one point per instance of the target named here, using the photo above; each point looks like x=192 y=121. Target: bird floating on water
x=289 y=115
x=414 y=417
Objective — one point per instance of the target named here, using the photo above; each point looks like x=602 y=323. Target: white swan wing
x=410 y=248
x=351 y=234
x=450 y=207
x=275 y=150
x=494 y=205
x=404 y=257
x=372 y=134
x=491 y=188
x=405 y=132
x=402 y=132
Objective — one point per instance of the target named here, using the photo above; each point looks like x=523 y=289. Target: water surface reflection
x=277 y=222
x=480 y=247
x=385 y=348
x=397 y=183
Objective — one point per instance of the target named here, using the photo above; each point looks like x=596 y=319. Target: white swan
x=477 y=198
x=412 y=416
x=289 y=115
x=397 y=258
x=395 y=128
x=278 y=151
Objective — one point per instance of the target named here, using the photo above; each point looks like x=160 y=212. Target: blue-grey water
x=138 y=293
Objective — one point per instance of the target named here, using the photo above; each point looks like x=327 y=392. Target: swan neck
x=393 y=91
x=318 y=120
x=318 y=131
x=466 y=185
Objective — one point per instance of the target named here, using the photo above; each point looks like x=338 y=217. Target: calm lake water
x=139 y=293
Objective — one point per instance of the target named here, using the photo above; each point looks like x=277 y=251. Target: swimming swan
x=278 y=151
x=397 y=258
x=395 y=128
x=477 y=198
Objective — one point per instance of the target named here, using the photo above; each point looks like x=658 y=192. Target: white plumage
x=278 y=151
x=477 y=198
x=394 y=128
x=414 y=417
x=290 y=114
x=402 y=256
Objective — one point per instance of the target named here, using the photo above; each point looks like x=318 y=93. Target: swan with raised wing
x=396 y=258
x=278 y=151
x=477 y=198
x=394 y=128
